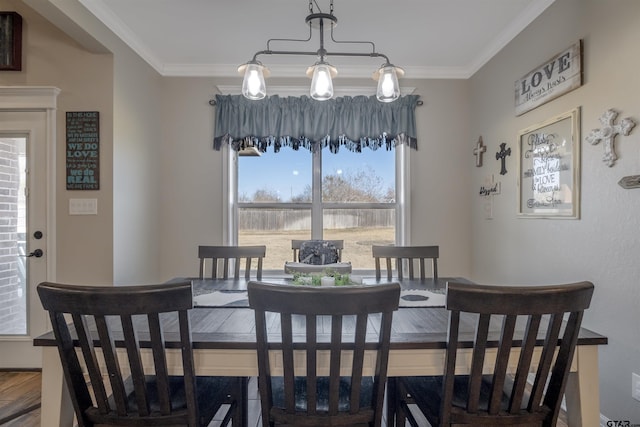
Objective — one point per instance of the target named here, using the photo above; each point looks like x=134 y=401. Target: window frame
x=402 y=203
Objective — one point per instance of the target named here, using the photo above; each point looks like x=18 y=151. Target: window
x=297 y=194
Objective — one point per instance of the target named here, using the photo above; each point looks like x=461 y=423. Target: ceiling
x=428 y=38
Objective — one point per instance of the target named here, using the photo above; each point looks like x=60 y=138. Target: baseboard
x=604 y=421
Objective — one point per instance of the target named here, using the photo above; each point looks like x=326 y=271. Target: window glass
x=366 y=177
x=358 y=202
x=284 y=176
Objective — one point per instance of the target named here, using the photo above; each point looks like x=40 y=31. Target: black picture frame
x=10 y=41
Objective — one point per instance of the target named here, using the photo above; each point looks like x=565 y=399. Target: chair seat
x=300 y=267
x=210 y=392
x=277 y=385
x=427 y=393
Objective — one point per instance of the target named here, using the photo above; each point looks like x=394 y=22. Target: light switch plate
x=83 y=206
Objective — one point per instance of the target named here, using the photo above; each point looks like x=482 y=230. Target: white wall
x=603 y=245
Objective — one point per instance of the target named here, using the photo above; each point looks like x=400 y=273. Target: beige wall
x=50 y=58
x=603 y=245
x=192 y=195
x=97 y=72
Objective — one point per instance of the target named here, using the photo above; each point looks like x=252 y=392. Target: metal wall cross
x=480 y=148
x=502 y=155
x=608 y=133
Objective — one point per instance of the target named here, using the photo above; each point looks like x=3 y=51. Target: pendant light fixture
x=321 y=73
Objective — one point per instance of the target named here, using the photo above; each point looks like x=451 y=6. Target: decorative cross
x=608 y=133
x=502 y=155
x=480 y=148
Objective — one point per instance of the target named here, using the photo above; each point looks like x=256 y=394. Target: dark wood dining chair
x=227 y=261
x=405 y=255
x=338 y=326
x=535 y=344
x=296 y=244
x=121 y=321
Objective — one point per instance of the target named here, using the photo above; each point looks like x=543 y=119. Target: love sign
x=83 y=150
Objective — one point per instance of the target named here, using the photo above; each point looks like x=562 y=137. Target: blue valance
x=350 y=122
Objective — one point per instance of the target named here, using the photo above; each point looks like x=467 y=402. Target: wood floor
x=20 y=401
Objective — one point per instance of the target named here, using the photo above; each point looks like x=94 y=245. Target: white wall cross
x=608 y=133
x=478 y=150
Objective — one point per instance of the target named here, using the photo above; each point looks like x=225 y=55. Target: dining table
x=224 y=344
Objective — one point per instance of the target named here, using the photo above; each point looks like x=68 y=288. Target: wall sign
x=10 y=41
x=557 y=76
x=549 y=168
x=83 y=150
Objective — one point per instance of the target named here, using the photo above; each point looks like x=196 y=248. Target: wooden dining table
x=224 y=344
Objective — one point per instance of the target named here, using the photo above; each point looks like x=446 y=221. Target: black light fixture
x=321 y=73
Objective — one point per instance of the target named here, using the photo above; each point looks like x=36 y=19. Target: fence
x=295 y=219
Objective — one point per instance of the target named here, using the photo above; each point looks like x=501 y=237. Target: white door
x=25 y=210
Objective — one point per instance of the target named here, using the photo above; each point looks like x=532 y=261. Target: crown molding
x=102 y=11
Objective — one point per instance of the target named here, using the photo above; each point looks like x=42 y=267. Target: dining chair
x=517 y=372
x=227 y=258
x=405 y=255
x=112 y=329
x=297 y=244
x=333 y=347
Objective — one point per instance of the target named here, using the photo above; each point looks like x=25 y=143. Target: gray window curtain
x=350 y=122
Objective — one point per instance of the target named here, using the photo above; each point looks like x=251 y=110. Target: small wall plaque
x=83 y=150
x=10 y=41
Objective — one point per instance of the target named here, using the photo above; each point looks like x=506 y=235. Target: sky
x=289 y=172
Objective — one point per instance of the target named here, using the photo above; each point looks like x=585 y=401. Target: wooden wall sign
x=557 y=76
x=83 y=150
x=10 y=41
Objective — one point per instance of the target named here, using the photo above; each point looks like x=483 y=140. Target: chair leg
x=244 y=399
x=240 y=396
x=392 y=400
x=402 y=410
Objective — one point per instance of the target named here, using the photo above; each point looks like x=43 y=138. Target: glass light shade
x=253 y=86
x=321 y=83
x=388 y=86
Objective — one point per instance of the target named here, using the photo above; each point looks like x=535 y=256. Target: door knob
x=36 y=253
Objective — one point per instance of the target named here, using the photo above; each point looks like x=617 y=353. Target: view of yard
x=357 y=244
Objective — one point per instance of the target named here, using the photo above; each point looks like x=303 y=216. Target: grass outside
x=357 y=244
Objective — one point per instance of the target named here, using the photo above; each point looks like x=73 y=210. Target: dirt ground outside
x=357 y=244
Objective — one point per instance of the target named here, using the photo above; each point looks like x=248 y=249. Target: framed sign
x=10 y=41
x=557 y=76
x=549 y=168
x=83 y=150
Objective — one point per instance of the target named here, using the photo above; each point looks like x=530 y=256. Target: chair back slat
x=524 y=363
x=234 y=261
x=530 y=318
x=343 y=322
x=406 y=256
x=129 y=314
x=156 y=334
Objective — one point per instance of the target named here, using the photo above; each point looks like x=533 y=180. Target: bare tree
x=360 y=186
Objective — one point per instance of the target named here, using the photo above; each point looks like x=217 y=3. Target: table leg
x=582 y=393
x=56 y=409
